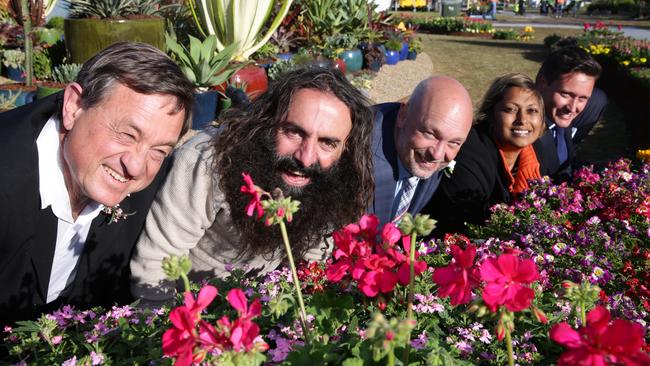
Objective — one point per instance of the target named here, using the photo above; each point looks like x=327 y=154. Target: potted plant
x=61 y=76
x=373 y=57
x=393 y=47
x=95 y=24
x=14 y=61
x=242 y=23
x=415 y=47
x=206 y=68
x=346 y=48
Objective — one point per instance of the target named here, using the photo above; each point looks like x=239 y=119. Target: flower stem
x=511 y=359
x=391 y=359
x=296 y=282
x=409 y=309
x=186 y=281
x=583 y=314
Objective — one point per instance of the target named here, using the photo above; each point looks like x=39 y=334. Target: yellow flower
x=643 y=60
x=528 y=29
x=626 y=62
x=401 y=27
x=643 y=155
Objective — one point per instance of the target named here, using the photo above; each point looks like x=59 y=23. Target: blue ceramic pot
x=22 y=97
x=205 y=109
x=284 y=56
x=353 y=59
x=403 y=53
x=15 y=74
x=412 y=55
x=392 y=57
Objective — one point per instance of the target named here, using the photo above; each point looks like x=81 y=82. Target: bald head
x=430 y=131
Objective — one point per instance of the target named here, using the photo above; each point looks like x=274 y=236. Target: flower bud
x=173 y=266
x=406 y=224
x=424 y=225
x=539 y=315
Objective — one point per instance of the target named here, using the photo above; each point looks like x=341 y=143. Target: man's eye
x=158 y=155
x=128 y=136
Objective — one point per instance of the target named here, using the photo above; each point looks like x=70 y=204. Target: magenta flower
x=601 y=342
x=204 y=298
x=255 y=204
x=507 y=278
x=458 y=278
x=180 y=339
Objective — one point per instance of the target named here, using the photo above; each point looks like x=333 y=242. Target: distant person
x=573 y=105
x=498 y=158
x=576 y=7
x=68 y=161
x=492 y=11
x=522 y=7
x=559 y=8
x=414 y=142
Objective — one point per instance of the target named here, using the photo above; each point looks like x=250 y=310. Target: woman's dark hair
x=485 y=113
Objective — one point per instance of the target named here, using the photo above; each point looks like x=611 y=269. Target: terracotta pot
x=255 y=78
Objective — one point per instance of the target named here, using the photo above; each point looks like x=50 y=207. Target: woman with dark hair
x=498 y=158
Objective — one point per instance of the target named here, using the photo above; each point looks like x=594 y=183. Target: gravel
x=396 y=82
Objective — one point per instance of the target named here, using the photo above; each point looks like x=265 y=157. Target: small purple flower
x=70 y=362
x=96 y=358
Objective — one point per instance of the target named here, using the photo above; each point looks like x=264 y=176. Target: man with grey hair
x=75 y=165
x=414 y=142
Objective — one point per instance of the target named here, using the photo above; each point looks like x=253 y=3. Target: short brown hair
x=566 y=60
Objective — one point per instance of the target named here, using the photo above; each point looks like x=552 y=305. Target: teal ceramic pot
x=284 y=56
x=86 y=37
x=353 y=59
x=392 y=57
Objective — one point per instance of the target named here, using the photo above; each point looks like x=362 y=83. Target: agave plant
x=201 y=63
x=238 y=22
x=107 y=9
x=66 y=73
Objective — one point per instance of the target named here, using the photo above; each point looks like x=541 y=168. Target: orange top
x=527 y=168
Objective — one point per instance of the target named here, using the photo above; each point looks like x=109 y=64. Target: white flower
x=449 y=170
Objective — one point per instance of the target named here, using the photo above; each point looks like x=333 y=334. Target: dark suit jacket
x=28 y=234
x=386 y=170
x=477 y=183
x=582 y=124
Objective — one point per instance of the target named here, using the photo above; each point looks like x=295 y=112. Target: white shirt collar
x=50 y=172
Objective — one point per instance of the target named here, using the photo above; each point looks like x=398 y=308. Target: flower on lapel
x=115 y=213
x=449 y=170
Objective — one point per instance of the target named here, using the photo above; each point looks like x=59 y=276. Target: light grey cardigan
x=190 y=215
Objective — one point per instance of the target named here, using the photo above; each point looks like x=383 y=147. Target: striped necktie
x=405 y=196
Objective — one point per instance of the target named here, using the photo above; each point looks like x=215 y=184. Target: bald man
x=414 y=141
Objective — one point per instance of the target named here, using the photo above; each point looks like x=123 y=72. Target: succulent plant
x=106 y=9
x=66 y=73
x=13 y=58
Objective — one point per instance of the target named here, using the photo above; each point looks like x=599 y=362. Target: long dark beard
x=324 y=202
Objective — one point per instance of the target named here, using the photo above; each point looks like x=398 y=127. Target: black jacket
x=28 y=234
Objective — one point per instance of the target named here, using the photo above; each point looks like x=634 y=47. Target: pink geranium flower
x=458 y=278
x=204 y=298
x=255 y=204
x=601 y=342
x=180 y=339
x=508 y=277
x=404 y=271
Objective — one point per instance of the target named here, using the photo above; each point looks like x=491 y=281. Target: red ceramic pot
x=340 y=65
x=255 y=78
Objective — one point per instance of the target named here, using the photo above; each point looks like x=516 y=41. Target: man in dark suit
x=414 y=142
x=72 y=158
x=572 y=104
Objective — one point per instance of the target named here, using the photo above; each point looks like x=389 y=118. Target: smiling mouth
x=117 y=176
x=520 y=133
x=295 y=178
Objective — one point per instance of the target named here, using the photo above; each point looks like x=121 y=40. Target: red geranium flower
x=601 y=342
x=458 y=278
x=404 y=271
x=507 y=277
x=255 y=204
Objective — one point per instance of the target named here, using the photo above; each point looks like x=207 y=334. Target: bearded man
x=309 y=135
